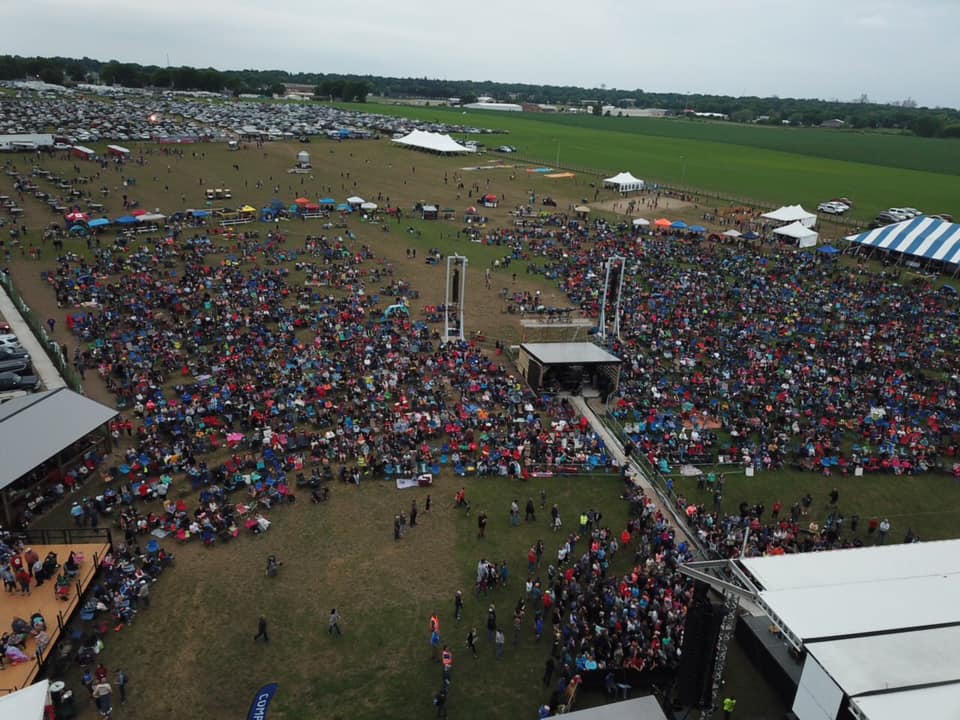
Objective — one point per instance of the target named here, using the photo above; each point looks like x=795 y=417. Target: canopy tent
x=678 y=225
x=301 y=201
x=247 y=209
x=151 y=218
x=355 y=200
x=791 y=214
x=804 y=236
x=751 y=235
x=921 y=237
x=126 y=220
x=26 y=704
x=624 y=182
x=699 y=229
x=583 y=209
x=828 y=250
x=662 y=223
x=98 y=222
x=640 y=222
x=432 y=142
x=368 y=206
x=733 y=233
x=323 y=202
x=199 y=213
x=138 y=212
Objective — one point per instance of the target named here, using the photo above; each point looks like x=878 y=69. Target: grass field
x=764 y=164
x=193 y=651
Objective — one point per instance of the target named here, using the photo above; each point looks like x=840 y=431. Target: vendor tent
x=791 y=214
x=804 y=236
x=624 y=182
x=922 y=237
x=151 y=218
x=126 y=220
x=355 y=200
x=98 y=222
x=26 y=704
x=368 y=206
x=828 y=250
x=432 y=142
x=640 y=222
x=733 y=233
x=662 y=223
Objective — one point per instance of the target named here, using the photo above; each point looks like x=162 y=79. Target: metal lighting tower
x=612 y=261
x=454 y=297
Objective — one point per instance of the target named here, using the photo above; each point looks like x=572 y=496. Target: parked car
x=10 y=341
x=13 y=353
x=913 y=211
x=888 y=217
x=12 y=381
x=905 y=212
x=16 y=365
x=832 y=208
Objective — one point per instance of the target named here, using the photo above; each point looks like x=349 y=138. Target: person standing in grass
x=482 y=524
x=334 y=623
x=499 y=643
x=262 y=630
x=458 y=605
x=472 y=642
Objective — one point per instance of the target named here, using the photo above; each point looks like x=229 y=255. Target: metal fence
x=49 y=344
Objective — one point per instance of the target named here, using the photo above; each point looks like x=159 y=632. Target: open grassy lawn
x=192 y=653
x=770 y=165
x=929 y=503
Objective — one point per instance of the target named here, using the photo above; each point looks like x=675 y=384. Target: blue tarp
x=200 y=213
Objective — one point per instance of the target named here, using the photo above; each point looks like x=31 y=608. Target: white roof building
x=879 y=627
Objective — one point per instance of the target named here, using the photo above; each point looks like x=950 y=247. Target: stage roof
x=569 y=353
x=856 y=565
x=932 y=703
x=819 y=613
x=643 y=708
x=36 y=427
x=894 y=661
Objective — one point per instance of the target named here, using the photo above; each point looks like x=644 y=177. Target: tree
x=52 y=75
x=742 y=116
x=928 y=125
x=597 y=108
x=278 y=89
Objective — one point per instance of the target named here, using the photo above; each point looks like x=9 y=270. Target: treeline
x=905 y=116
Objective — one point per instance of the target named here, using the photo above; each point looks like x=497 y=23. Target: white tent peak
x=624 y=182
x=433 y=142
x=791 y=213
x=798 y=231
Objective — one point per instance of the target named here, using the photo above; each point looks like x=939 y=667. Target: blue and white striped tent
x=921 y=237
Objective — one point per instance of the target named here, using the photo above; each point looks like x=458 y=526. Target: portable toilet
x=303 y=159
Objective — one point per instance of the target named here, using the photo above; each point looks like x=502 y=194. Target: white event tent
x=25 y=704
x=624 y=182
x=432 y=142
x=791 y=214
x=804 y=236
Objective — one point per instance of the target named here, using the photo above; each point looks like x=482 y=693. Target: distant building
x=634 y=112
x=502 y=107
x=834 y=123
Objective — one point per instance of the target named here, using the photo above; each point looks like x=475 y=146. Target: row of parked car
x=898 y=214
x=16 y=369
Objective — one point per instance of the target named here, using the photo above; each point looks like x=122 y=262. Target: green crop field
x=761 y=164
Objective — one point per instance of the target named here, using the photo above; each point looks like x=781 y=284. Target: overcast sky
x=814 y=48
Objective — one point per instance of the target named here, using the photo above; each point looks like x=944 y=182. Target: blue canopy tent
x=343 y=207
x=828 y=250
x=200 y=213
x=126 y=220
x=750 y=235
x=678 y=225
x=326 y=202
x=98 y=222
x=275 y=204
